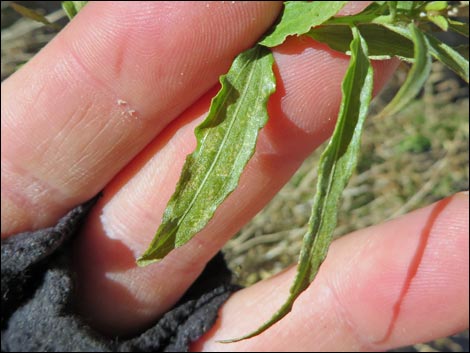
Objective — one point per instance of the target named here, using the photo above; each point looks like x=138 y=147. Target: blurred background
x=408 y=161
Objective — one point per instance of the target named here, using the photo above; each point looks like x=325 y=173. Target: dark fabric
x=38 y=288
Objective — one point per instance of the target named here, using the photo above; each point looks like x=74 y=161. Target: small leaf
x=382 y=42
x=440 y=21
x=436 y=6
x=337 y=164
x=34 y=15
x=226 y=141
x=298 y=17
x=71 y=8
x=459 y=27
x=417 y=76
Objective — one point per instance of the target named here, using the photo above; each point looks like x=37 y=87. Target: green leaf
x=226 y=141
x=440 y=21
x=441 y=51
x=298 y=17
x=382 y=12
x=376 y=11
x=436 y=6
x=34 y=15
x=448 y=56
x=459 y=27
x=417 y=76
x=392 y=8
x=337 y=164
x=71 y=8
x=382 y=42
x=409 y=5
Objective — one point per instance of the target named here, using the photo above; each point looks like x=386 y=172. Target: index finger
x=103 y=89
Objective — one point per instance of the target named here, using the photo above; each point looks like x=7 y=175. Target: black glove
x=38 y=290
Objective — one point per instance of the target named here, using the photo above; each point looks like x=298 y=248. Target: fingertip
x=390 y=285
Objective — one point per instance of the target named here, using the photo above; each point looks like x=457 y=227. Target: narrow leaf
x=336 y=166
x=459 y=27
x=448 y=56
x=226 y=141
x=34 y=15
x=417 y=76
x=382 y=42
x=381 y=12
x=71 y=8
x=441 y=51
x=463 y=50
x=298 y=17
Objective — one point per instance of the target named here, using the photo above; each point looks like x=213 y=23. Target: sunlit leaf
x=337 y=164
x=439 y=21
x=227 y=138
x=416 y=77
x=459 y=27
x=448 y=56
x=226 y=141
x=435 y=6
x=409 y=5
x=71 y=8
x=298 y=17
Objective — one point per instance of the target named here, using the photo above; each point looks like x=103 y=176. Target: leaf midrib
x=227 y=133
x=341 y=131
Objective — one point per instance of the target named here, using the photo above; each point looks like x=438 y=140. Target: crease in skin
x=413 y=267
x=24 y=192
x=81 y=70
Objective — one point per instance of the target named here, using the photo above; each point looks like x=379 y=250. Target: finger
x=302 y=115
x=395 y=284
x=97 y=94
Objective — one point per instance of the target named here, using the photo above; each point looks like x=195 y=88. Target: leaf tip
x=146 y=260
x=233 y=340
x=229 y=340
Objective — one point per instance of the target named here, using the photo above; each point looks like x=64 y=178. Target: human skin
x=111 y=104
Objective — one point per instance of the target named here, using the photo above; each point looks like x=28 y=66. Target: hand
x=111 y=104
